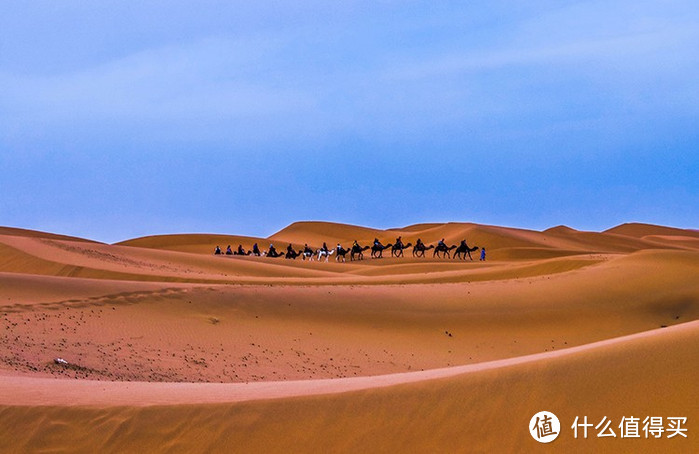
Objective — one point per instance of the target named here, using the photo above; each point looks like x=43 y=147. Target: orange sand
x=173 y=348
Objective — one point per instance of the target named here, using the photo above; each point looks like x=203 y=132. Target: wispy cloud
x=209 y=80
x=625 y=50
x=308 y=81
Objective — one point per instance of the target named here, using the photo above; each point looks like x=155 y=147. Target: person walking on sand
x=482 y=254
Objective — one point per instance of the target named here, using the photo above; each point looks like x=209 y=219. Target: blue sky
x=121 y=119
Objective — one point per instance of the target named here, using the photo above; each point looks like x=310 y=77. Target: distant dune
x=624 y=238
x=640 y=230
x=11 y=231
x=197 y=243
x=168 y=347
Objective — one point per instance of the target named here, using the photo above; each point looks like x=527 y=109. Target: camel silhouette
x=341 y=253
x=463 y=250
x=292 y=254
x=377 y=250
x=419 y=249
x=273 y=253
x=444 y=250
x=357 y=251
x=241 y=251
x=397 y=250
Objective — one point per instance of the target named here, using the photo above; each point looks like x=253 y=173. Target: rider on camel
x=399 y=243
x=441 y=244
x=241 y=251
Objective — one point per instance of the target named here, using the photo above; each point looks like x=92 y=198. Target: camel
x=273 y=253
x=326 y=254
x=341 y=253
x=358 y=251
x=292 y=254
x=308 y=253
x=443 y=249
x=397 y=250
x=377 y=250
x=241 y=251
x=419 y=249
x=463 y=249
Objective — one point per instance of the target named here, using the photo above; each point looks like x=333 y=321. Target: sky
x=124 y=119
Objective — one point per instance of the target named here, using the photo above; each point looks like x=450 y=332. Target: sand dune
x=23 y=391
x=465 y=409
x=172 y=348
x=195 y=243
x=315 y=233
x=640 y=230
x=12 y=231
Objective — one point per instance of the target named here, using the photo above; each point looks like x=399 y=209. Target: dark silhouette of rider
x=217 y=251
x=418 y=243
x=255 y=249
x=229 y=251
x=289 y=248
x=442 y=244
x=399 y=242
x=241 y=251
x=325 y=247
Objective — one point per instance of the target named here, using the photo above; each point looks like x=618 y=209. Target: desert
x=349 y=227
x=169 y=347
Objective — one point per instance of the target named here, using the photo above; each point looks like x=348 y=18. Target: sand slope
x=481 y=409
x=174 y=349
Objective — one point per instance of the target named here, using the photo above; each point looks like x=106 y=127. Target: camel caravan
x=356 y=251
